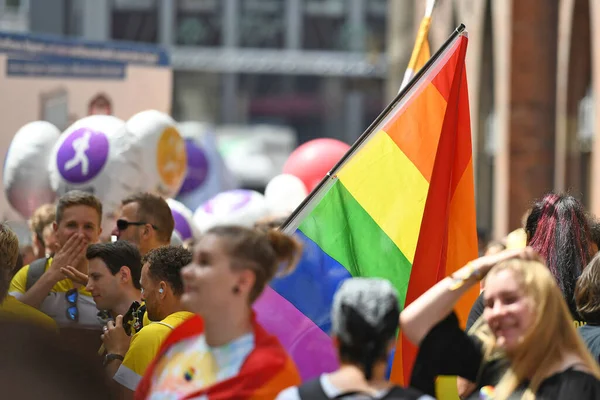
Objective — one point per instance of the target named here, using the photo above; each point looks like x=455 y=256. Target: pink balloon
x=313 y=160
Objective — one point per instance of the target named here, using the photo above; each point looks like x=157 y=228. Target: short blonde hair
x=41 y=218
x=9 y=246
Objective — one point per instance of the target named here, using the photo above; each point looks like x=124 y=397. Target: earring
x=236 y=290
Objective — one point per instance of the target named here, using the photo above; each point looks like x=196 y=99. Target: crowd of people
x=142 y=318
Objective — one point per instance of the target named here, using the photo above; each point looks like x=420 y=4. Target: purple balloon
x=181 y=225
x=235 y=199
x=82 y=155
x=197 y=167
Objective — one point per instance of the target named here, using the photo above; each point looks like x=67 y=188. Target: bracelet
x=112 y=356
x=472 y=272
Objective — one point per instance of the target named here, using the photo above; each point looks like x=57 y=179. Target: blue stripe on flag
x=310 y=288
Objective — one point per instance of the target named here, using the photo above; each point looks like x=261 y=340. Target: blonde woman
x=526 y=322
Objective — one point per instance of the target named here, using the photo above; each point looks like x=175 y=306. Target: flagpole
x=403 y=92
x=419 y=42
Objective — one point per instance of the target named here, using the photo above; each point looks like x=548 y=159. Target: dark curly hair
x=165 y=264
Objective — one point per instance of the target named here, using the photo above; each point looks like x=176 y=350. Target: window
x=325 y=25
x=262 y=23
x=13 y=3
x=135 y=20
x=199 y=23
x=376 y=26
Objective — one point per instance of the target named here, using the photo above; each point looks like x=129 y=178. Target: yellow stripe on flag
x=374 y=175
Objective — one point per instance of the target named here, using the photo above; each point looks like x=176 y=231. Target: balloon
x=284 y=193
x=97 y=155
x=236 y=207
x=26 y=181
x=176 y=239
x=207 y=175
x=164 y=160
x=313 y=160
x=256 y=154
x=184 y=220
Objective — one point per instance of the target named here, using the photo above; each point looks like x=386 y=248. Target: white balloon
x=207 y=174
x=184 y=220
x=164 y=158
x=97 y=155
x=235 y=207
x=284 y=193
x=26 y=180
x=176 y=239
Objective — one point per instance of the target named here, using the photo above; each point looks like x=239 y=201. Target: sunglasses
x=72 y=310
x=123 y=224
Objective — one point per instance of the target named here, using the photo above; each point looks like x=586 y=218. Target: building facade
x=317 y=66
x=533 y=83
x=328 y=67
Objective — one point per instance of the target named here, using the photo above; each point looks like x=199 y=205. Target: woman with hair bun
x=223 y=353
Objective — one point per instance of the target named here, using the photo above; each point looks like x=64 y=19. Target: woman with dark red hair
x=558 y=230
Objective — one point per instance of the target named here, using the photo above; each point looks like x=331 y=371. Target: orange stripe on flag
x=417 y=130
x=462 y=238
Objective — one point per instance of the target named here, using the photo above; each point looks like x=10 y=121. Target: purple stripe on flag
x=310 y=347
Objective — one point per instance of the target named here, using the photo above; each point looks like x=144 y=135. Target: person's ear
x=162 y=289
x=124 y=274
x=245 y=281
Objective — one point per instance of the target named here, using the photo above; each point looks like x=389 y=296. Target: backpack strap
x=399 y=392
x=35 y=272
x=312 y=390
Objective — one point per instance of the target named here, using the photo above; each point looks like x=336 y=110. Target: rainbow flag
x=399 y=205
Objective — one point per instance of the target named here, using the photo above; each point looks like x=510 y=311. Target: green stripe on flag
x=344 y=230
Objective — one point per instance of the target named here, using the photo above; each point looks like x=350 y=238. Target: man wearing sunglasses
x=146 y=221
x=78 y=221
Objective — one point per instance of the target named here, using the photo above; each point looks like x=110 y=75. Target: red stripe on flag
x=429 y=264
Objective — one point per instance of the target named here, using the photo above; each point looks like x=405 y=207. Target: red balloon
x=313 y=160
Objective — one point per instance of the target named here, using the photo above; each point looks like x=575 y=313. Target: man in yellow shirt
x=162 y=287
x=78 y=218
x=11 y=308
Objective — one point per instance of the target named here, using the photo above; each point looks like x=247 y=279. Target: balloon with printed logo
x=164 y=158
x=284 y=193
x=235 y=207
x=97 y=155
x=314 y=159
x=26 y=179
x=207 y=175
x=184 y=220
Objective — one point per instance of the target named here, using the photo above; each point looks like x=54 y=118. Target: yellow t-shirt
x=55 y=304
x=12 y=308
x=144 y=347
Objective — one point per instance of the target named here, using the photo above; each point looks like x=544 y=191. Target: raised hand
x=69 y=255
x=75 y=275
